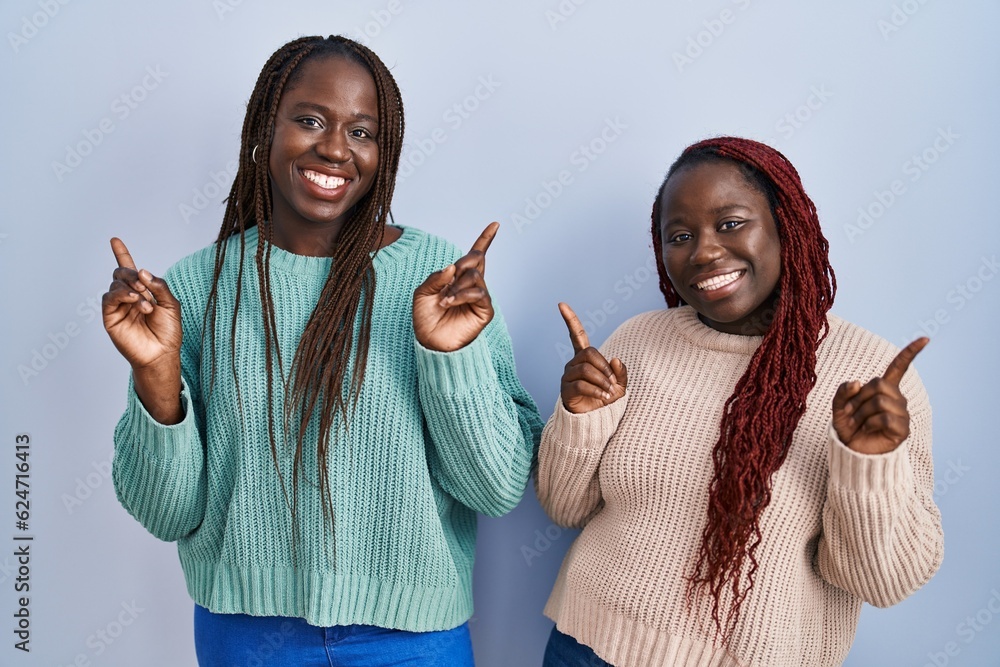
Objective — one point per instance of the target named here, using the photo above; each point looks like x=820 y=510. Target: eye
x=361 y=133
x=309 y=121
x=729 y=225
x=679 y=237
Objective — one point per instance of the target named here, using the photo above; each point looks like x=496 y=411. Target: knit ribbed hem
x=625 y=642
x=326 y=599
x=869 y=473
x=586 y=430
x=455 y=373
x=156 y=440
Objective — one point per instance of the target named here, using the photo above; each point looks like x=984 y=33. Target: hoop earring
x=253 y=155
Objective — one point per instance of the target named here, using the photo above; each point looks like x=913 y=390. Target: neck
x=321 y=241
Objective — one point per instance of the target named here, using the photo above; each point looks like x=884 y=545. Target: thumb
x=842 y=422
x=436 y=282
x=621 y=373
x=158 y=288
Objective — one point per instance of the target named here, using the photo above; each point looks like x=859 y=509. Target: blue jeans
x=564 y=651
x=239 y=640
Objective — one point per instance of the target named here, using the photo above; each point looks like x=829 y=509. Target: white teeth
x=718 y=281
x=324 y=181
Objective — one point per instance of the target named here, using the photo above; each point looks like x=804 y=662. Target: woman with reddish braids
x=320 y=401
x=746 y=467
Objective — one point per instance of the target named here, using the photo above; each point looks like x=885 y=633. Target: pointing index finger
x=577 y=334
x=482 y=244
x=121 y=254
x=897 y=367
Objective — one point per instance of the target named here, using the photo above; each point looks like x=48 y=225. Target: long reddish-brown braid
x=318 y=378
x=768 y=401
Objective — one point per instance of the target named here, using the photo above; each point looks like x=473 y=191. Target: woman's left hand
x=453 y=305
x=872 y=418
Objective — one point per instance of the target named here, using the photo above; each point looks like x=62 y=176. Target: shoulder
x=851 y=352
x=192 y=275
x=850 y=347
x=199 y=264
x=637 y=331
x=190 y=278
x=433 y=245
x=416 y=253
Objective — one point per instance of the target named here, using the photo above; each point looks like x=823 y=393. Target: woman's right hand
x=140 y=314
x=143 y=320
x=589 y=381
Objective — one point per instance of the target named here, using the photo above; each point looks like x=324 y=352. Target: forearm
x=483 y=426
x=158 y=387
x=569 y=459
x=882 y=537
x=158 y=470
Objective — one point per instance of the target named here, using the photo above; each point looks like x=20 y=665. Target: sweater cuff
x=455 y=373
x=153 y=439
x=869 y=473
x=586 y=430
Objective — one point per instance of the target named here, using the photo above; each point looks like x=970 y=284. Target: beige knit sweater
x=842 y=528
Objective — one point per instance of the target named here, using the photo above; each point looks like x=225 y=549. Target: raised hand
x=872 y=418
x=453 y=305
x=589 y=381
x=143 y=320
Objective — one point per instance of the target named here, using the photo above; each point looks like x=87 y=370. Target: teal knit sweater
x=435 y=438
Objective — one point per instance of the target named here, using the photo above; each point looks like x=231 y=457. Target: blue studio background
x=557 y=118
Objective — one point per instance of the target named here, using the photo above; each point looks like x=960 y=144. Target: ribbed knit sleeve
x=484 y=426
x=882 y=537
x=158 y=470
x=568 y=459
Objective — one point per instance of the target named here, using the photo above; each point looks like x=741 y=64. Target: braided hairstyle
x=318 y=377
x=761 y=415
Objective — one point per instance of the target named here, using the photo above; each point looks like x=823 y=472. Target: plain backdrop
x=559 y=120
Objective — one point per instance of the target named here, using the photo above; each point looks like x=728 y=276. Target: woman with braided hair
x=320 y=402
x=730 y=515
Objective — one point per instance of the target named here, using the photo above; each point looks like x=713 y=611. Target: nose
x=333 y=146
x=707 y=249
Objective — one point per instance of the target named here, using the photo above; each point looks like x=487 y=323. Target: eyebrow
x=718 y=210
x=325 y=110
x=729 y=207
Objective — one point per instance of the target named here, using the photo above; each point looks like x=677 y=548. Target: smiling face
x=720 y=246
x=324 y=156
